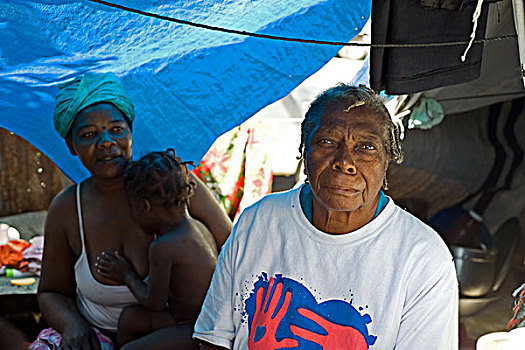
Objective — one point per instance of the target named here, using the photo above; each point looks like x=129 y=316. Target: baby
x=182 y=258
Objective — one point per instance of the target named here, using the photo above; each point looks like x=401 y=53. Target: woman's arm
x=430 y=311
x=205 y=208
x=215 y=323
x=61 y=314
x=57 y=287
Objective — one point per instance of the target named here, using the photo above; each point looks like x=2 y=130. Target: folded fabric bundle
x=33 y=254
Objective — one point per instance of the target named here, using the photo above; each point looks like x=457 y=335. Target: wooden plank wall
x=28 y=179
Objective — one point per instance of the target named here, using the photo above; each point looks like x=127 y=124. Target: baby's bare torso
x=192 y=257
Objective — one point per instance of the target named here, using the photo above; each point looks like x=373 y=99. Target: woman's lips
x=341 y=190
x=108 y=158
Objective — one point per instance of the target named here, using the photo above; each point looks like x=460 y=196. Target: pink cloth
x=34 y=253
x=49 y=339
x=36 y=250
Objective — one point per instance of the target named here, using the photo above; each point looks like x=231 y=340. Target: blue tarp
x=189 y=85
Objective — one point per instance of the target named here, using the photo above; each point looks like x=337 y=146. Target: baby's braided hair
x=160 y=177
x=353 y=96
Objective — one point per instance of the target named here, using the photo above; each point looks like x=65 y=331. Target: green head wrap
x=85 y=91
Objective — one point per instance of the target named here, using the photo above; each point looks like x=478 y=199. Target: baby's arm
x=153 y=295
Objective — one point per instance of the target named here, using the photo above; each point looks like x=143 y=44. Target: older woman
x=95 y=116
x=334 y=264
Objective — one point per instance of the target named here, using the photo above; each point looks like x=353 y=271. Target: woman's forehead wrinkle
x=345 y=124
x=332 y=127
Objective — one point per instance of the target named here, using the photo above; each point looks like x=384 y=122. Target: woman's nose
x=105 y=139
x=344 y=162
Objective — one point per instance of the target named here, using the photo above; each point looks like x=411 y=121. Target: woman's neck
x=108 y=186
x=339 y=222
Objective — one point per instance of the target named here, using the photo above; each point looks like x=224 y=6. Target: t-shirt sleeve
x=430 y=315
x=215 y=322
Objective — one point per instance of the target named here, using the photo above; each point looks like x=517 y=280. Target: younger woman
x=95 y=116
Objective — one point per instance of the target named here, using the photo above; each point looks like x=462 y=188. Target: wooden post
x=28 y=179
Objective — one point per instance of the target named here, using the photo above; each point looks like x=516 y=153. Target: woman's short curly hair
x=353 y=96
x=160 y=177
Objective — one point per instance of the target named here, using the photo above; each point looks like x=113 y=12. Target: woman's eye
x=88 y=134
x=368 y=147
x=326 y=141
x=117 y=129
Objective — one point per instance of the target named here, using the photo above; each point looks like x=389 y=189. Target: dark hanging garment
x=449 y=4
x=410 y=70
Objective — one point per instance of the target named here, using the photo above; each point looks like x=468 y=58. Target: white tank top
x=99 y=303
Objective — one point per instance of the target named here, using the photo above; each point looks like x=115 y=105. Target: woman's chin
x=108 y=172
x=340 y=200
x=109 y=169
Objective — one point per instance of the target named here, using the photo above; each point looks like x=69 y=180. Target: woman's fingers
x=95 y=344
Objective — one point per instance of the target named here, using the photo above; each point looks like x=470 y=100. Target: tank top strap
x=80 y=221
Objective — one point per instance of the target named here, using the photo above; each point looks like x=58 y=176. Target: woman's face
x=101 y=138
x=346 y=159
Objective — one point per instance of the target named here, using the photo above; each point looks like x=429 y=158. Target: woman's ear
x=385 y=180
x=69 y=144
x=305 y=171
x=146 y=206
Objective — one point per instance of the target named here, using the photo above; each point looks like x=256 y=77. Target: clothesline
x=519 y=93
x=298 y=40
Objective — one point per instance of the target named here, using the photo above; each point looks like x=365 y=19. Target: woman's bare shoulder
x=65 y=200
x=62 y=208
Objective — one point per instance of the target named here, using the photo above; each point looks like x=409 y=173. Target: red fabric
x=11 y=254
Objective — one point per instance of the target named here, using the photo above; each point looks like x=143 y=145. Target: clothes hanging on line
x=411 y=70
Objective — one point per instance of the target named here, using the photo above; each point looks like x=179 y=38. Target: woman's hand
x=79 y=336
x=115 y=267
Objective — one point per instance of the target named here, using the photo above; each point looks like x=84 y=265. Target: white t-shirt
x=389 y=285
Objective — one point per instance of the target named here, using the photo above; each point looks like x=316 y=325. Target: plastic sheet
x=189 y=85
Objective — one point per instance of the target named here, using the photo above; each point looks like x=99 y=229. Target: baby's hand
x=114 y=267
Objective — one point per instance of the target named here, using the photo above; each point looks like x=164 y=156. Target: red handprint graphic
x=264 y=319
x=338 y=337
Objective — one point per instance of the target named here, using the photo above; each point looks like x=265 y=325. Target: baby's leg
x=173 y=337
x=138 y=321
